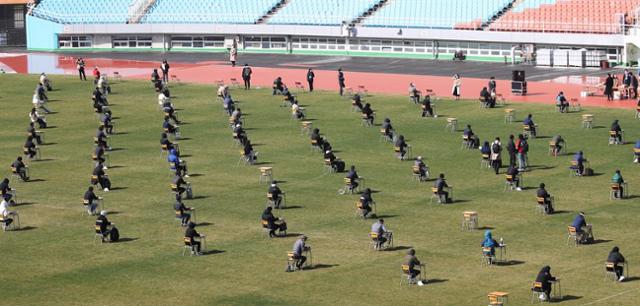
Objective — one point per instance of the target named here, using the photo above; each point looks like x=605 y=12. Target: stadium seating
x=321 y=12
x=575 y=16
x=208 y=11
x=83 y=11
x=445 y=14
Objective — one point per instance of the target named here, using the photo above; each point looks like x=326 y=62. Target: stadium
x=315 y=152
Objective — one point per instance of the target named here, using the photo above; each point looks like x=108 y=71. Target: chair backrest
x=98 y=229
x=347 y=181
x=540 y=200
x=396 y=148
x=526 y=127
x=359 y=205
x=434 y=189
x=85 y=201
x=405 y=269
x=383 y=131
x=636 y=150
x=572 y=230
x=269 y=195
x=178 y=213
x=486 y=250
x=14 y=170
x=574 y=162
x=314 y=142
x=187 y=241
x=509 y=177
x=416 y=169
x=615 y=186
x=174 y=187
x=485 y=156
x=264 y=223
x=609 y=266
x=373 y=235
x=290 y=255
x=327 y=162
x=537 y=286
x=94 y=177
x=552 y=144
x=613 y=133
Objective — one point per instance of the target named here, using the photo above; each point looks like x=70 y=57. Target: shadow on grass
x=596 y=174
x=509 y=263
x=114 y=212
x=598 y=241
x=386 y=216
x=213 y=252
x=119 y=188
x=204 y=223
x=185 y=155
x=117 y=149
x=321 y=266
x=198 y=197
x=116 y=167
x=26 y=228
x=631 y=279
x=49 y=144
x=542 y=137
x=183 y=138
x=43 y=160
x=397 y=248
x=484 y=228
x=459 y=201
x=559 y=212
x=127 y=239
x=436 y=280
x=289 y=235
x=36 y=180
x=541 y=167
x=566 y=298
x=26 y=203
x=633 y=196
x=121 y=133
x=51 y=127
x=262 y=163
x=196 y=175
x=292 y=207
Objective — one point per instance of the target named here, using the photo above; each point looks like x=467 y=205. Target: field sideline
x=53 y=261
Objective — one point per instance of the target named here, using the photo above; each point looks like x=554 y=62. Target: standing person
x=634 y=85
x=341 y=81
x=165 y=70
x=457 y=83
x=80 y=66
x=511 y=148
x=96 y=74
x=608 y=87
x=233 y=53
x=496 y=155
x=522 y=147
x=246 y=76
x=310 y=77
x=492 y=87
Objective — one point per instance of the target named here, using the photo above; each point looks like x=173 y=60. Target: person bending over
x=617 y=259
x=365 y=203
x=276 y=194
x=367 y=113
x=20 y=168
x=546 y=279
x=299 y=247
x=272 y=223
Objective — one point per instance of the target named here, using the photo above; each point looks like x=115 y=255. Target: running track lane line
x=611 y=296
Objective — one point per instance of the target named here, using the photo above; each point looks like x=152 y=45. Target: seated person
x=155 y=77
x=412 y=261
x=181 y=211
x=562 y=103
x=414 y=93
x=617 y=259
x=99 y=98
x=515 y=176
x=299 y=247
x=251 y=155
x=316 y=139
x=99 y=176
x=381 y=230
x=177 y=164
x=228 y=105
x=273 y=224
x=616 y=131
x=583 y=230
x=103 y=84
x=103 y=224
x=193 y=235
x=388 y=129
x=277 y=86
x=29 y=148
x=223 y=91
x=169 y=111
x=617 y=179
x=179 y=185
x=529 y=123
x=101 y=138
x=107 y=123
x=5 y=190
x=44 y=81
x=276 y=194
x=421 y=167
x=34 y=117
x=558 y=142
x=427 y=109
x=296 y=110
x=578 y=161
x=472 y=140
x=170 y=128
x=485 y=150
x=356 y=102
x=367 y=113
x=459 y=55
x=31 y=131
x=401 y=147
x=486 y=98
x=239 y=134
x=336 y=163
x=20 y=168
x=166 y=143
x=636 y=153
x=365 y=202
x=442 y=188
x=236 y=116
x=542 y=193
x=90 y=200
x=546 y=279
x=490 y=243
x=6 y=214
x=353 y=177
x=99 y=155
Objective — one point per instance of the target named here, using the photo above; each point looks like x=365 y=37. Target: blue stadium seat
x=321 y=12
x=208 y=11
x=83 y=11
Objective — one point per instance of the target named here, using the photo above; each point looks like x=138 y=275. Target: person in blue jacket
x=491 y=243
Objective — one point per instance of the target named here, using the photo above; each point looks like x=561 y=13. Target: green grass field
x=54 y=262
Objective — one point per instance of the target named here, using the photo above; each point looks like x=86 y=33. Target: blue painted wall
x=42 y=34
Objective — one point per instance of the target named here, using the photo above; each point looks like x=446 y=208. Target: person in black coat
x=367 y=113
x=316 y=139
x=165 y=70
x=99 y=176
x=365 y=202
x=513 y=172
x=511 y=149
x=90 y=199
x=102 y=224
x=181 y=211
x=616 y=258
x=400 y=147
x=634 y=85
x=20 y=168
x=545 y=278
x=442 y=188
x=341 y=83
x=542 y=193
x=608 y=87
x=485 y=95
x=246 y=76
x=5 y=190
x=273 y=224
x=276 y=194
x=310 y=78
x=30 y=148
x=353 y=177
x=427 y=109
x=278 y=86
x=615 y=127
x=192 y=234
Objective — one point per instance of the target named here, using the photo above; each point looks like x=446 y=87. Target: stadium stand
x=574 y=16
x=209 y=11
x=82 y=11
x=322 y=12
x=443 y=14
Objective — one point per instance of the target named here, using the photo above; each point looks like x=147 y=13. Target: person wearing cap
x=90 y=199
x=104 y=224
x=239 y=134
x=181 y=211
x=273 y=224
x=193 y=235
x=421 y=167
x=583 y=230
x=381 y=230
x=101 y=177
x=20 y=168
x=365 y=203
x=542 y=193
x=299 y=247
x=276 y=194
x=179 y=165
x=341 y=81
x=310 y=78
x=246 y=76
x=616 y=258
x=617 y=179
x=412 y=261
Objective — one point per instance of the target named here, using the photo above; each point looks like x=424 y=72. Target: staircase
x=368 y=13
x=485 y=25
x=272 y=11
x=138 y=9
